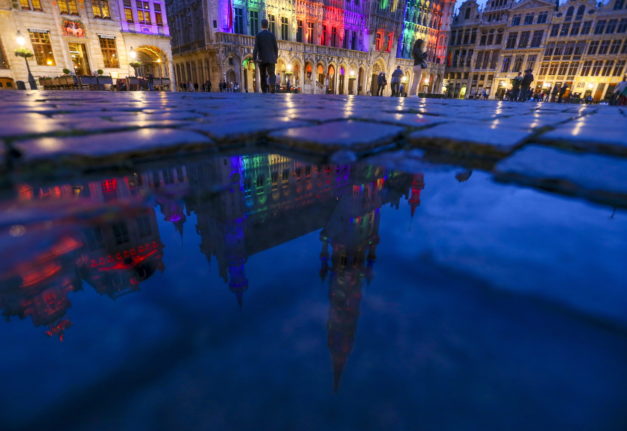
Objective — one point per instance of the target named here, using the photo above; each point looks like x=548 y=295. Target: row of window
x=588 y=68
x=44 y=56
x=576 y=28
x=469 y=36
x=305 y=31
x=526 y=40
x=529 y=19
x=101 y=9
x=517 y=65
x=596 y=47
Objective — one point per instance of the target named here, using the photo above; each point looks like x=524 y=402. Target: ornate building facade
x=581 y=44
x=84 y=36
x=325 y=46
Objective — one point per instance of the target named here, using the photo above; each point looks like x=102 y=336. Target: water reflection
x=105 y=232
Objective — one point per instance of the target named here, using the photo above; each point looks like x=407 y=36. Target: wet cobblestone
x=93 y=128
x=378 y=263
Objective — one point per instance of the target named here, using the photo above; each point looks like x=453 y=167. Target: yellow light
x=289 y=68
x=49 y=62
x=404 y=79
x=352 y=73
x=133 y=54
x=21 y=41
x=547 y=85
x=590 y=86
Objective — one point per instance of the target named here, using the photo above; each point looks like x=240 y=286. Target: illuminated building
x=84 y=36
x=113 y=251
x=324 y=46
x=243 y=205
x=581 y=44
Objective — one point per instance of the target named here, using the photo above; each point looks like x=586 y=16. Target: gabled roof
x=530 y=4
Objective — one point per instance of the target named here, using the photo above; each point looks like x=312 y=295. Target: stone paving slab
x=111 y=147
x=355 y=136
x=484 y=129
x=590 y=175
x=483 y=139
x=244 y=131
x=607 y=137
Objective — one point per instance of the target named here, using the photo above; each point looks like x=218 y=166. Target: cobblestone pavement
x=220 y=261
x=573 y=149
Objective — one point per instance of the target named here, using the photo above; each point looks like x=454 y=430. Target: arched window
x=580 y=12
x=569 y=13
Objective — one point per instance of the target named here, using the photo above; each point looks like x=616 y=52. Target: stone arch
x=332 y=78
x=295 y=73
x=377 y=68
x=361 y=79
x=249 y=72
x=152 y=61
x=320 y=72
x=342 y=75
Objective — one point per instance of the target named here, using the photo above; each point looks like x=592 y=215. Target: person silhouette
x=265 y=53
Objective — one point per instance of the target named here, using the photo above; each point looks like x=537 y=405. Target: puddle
x=224 y=292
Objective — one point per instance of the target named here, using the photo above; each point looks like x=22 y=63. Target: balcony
x=295 y=47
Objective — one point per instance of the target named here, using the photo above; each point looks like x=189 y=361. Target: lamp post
x=23 y=52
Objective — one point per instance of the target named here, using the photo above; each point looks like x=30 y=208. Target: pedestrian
x=381 y=83
x=208 y=85
x=396 y=81
x=562 y=93
x=190 y=86
x=525 y=85
x=402 y=90
x=419 y=64
x=554 y=92
x=619 y=96
x=484 y=94
x=265 y=53
x=516 y=82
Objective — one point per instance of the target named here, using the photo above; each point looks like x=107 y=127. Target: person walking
x=516 y=83
x=419 y=64
x=562 y=93
x=396 y=81
x=525 y=86
x=381 y=83
x=265 y=53
x=554 y=92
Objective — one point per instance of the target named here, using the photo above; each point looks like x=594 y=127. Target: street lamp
x=25 y=53
x=134 y=63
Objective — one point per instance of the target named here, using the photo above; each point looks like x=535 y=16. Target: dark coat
x=419 y=56
x=527 y=80
x=266 y=49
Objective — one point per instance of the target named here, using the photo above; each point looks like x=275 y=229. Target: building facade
x=84 y=36
x=325 y=46
x=580 y=44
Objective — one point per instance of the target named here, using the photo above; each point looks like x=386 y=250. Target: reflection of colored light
x=37 y=275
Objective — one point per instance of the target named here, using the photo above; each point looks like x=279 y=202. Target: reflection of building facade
x=324 y=46
x=243 y=205
x=84 y=37
x=581 y=44
x=113 y=252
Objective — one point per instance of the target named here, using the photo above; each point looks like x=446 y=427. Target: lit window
x=101 y=8
x=68 y=7
x=109 y=52
x=31 y=4
x=42 y=48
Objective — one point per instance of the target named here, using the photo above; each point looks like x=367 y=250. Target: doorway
x=78 y=51
x=599 y=93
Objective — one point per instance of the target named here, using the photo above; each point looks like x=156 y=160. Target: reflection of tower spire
x=417 y=185
x=324 y=259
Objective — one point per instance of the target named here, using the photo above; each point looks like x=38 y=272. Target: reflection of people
x=266 y=53
x=419 y=64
